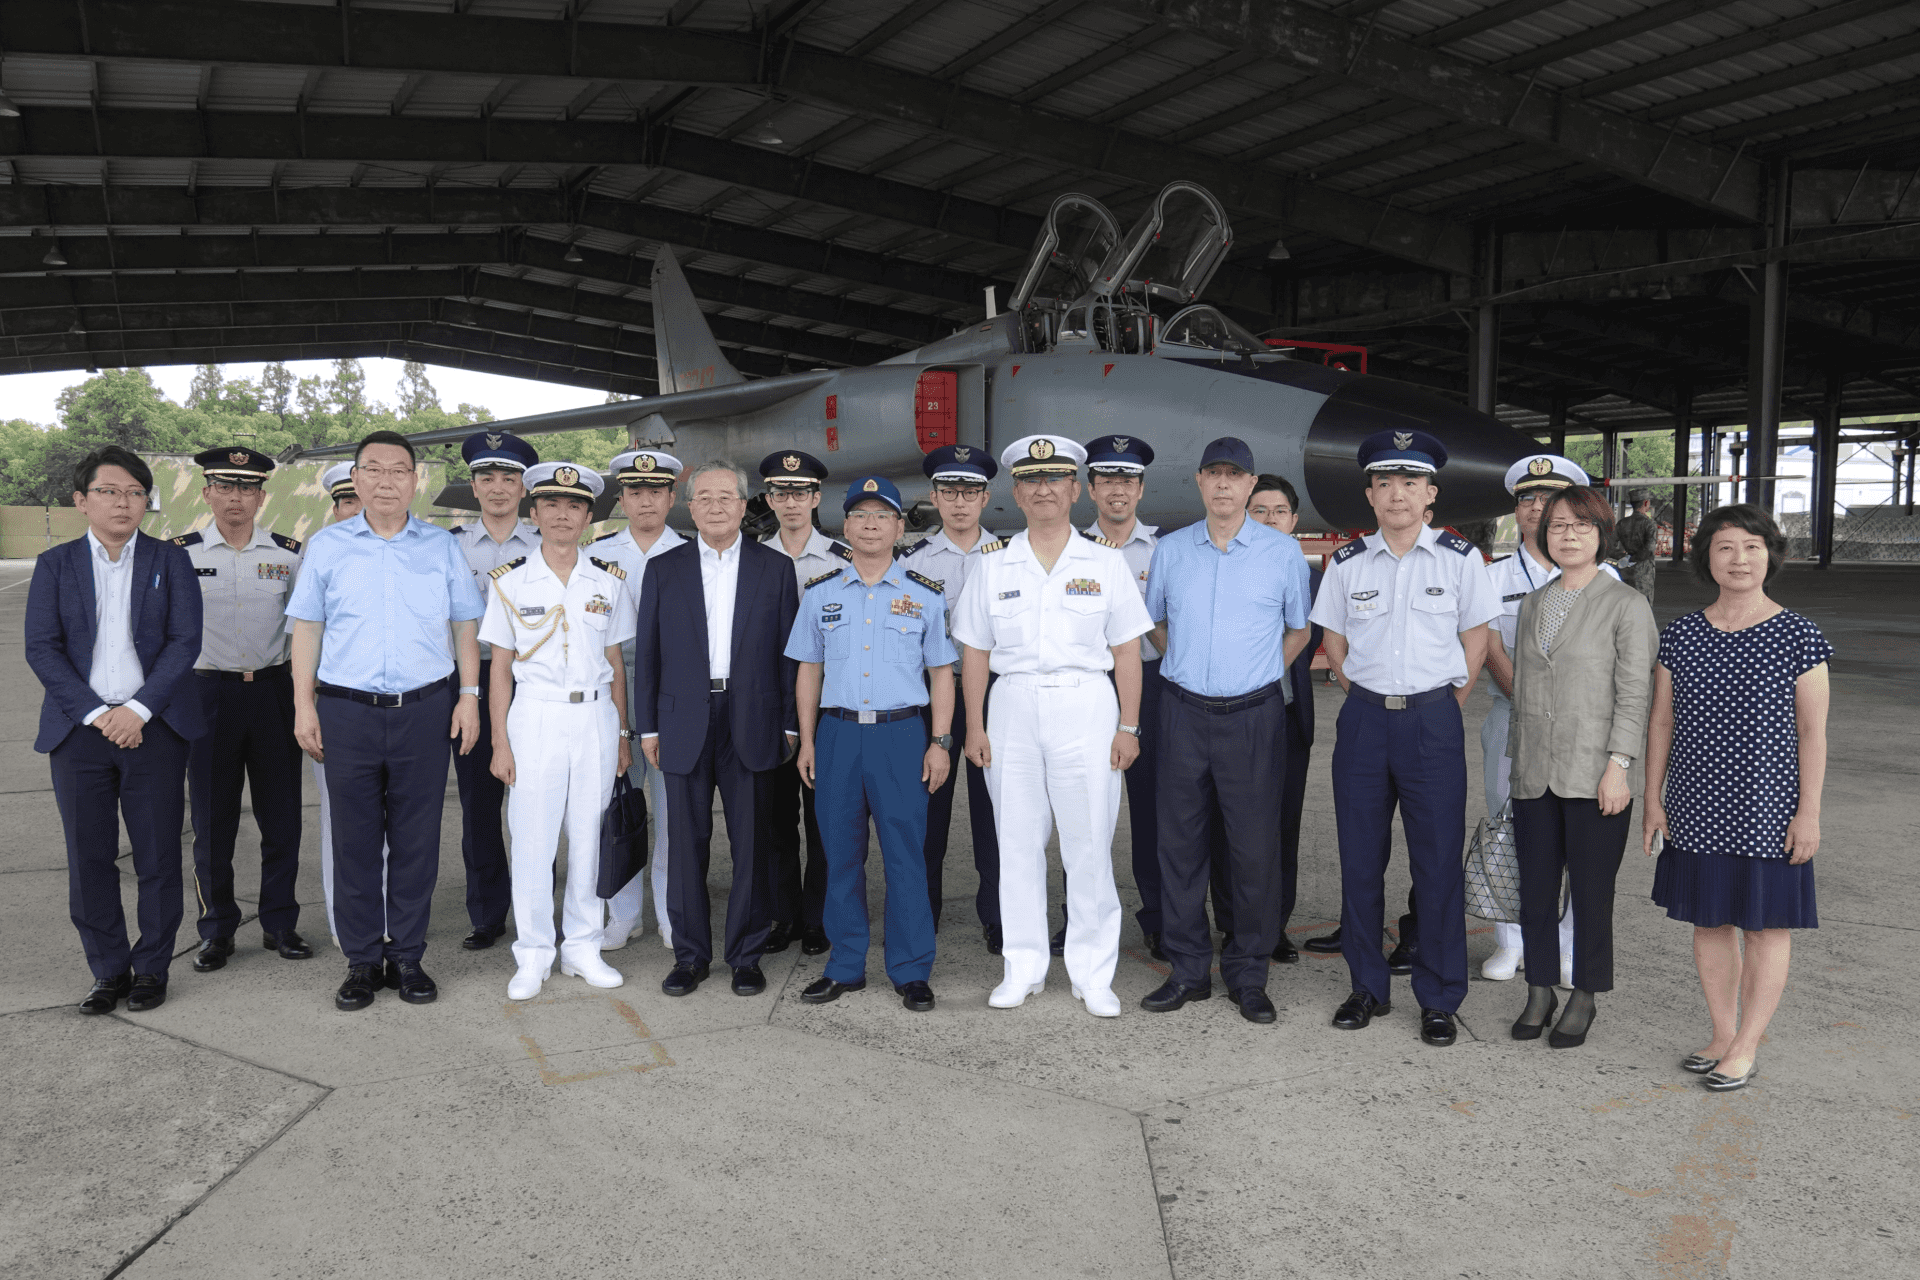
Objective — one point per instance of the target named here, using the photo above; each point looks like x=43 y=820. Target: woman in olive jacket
x=1583 y=681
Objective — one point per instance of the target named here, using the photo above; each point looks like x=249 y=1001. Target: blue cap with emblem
x=872 y=487
x=1228 y=449
x=959 y=464
x=1118 y=455
x=1402 y=452
x=497 y=449
x=564 y=480
x=790 y=468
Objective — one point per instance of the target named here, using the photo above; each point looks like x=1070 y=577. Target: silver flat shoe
x=1699 y=1064
x=1727 y=1084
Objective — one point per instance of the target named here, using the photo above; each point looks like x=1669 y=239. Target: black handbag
x=623 y=837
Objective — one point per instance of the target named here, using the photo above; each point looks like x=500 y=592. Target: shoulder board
x=909 y=550
x=1094 y=537
x=1454 y=542
x=828 y=576
x=285 y=543
x=509 y=567
x=998 y=544
x=925 y=581
x=188 y=539
x=1349 y=551
x=609 y=566
x=842 y=550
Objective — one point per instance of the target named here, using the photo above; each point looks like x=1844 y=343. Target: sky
x=32 y=395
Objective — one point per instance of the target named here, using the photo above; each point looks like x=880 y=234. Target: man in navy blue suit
x=113 y=629
x=713 y=704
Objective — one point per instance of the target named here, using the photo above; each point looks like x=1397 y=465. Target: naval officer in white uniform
x=1051 y=612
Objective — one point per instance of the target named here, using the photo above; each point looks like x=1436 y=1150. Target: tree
x=208 y=385
x=348 y=389
x=416 y=393
x=276 y=390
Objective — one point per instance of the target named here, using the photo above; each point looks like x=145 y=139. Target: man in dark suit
x=713 y=704
x=113 y=629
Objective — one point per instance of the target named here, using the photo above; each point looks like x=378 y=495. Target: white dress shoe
x=616 y=933
x=1011 y=995
x=526 y=982
x=592 y=970
x=1101 y=1004
x=1501 y=965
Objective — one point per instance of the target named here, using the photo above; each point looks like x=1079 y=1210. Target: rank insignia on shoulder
x=507 y=568
x=1083 y=586
x=276 y=572
x=609 y=566
x=910 y=549
x=905 y=607
x=828 y=576
x=1349 y=551
x=998 y=544
x=1454 y=542
x=1008 y=595
x=924 y=580
x=1094 y=537
x=285 y=543
x=842 y=550
x=188 y=539
x=600 y=604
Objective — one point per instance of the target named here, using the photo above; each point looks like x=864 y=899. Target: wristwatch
x=466 y=689
x=628 y=734
x=1133 y=729
x=1624 y=761
x=944 y=741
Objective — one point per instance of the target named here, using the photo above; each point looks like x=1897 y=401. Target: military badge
x=600 y=604
x=905 y=607
x=566 y=475
x=791 y=462
x=871 y=486
x=1083 y=587
x=1403 y=439
x=1041 y=448
x=275 y=572
x=1540 y=467
x=644 y=462
x=1120 y=443
x=495 y=439
x=238 y=458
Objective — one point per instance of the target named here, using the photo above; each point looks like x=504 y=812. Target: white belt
x=1053 y=679
x=563 y=695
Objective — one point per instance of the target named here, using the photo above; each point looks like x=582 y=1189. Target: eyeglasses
x=714 y=500
x=137 y=497
x=1530 y=500
x=871 y=517
x=785 y=494
x=1560 y=528
x=377 y=474
x=1277 y=509
x=968 y=492
x=229 y=487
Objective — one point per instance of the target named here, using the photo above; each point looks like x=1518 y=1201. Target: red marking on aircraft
x=1015 y=373
x=1104 y=372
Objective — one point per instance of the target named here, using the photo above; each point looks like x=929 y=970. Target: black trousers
x=386 y=787
x=986 y=842
x=1555 y=833
x=744 y=798
x=1293 y=800
x=483 y=845
x=1143 y=802
x=95 y=784
x=799 y=896
x=1222 y=762
x=249 y=740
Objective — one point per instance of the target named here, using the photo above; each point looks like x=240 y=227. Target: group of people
x=828 y=687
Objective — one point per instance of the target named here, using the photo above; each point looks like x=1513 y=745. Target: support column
x=1826 y=470
x=1682 y=445
x=1768 y=347
x=1557 y=425
x=1483 y=370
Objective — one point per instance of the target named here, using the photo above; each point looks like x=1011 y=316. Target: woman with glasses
x=1736 y=758
x=1582 y=682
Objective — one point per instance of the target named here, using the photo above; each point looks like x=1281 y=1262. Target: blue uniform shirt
x=1402 y=615
x=386 y=603
x=1227 y=611
x=876 y=641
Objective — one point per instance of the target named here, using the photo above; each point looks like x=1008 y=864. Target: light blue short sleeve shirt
x=1402 y=615
x=876 y=642
x=1227 y=612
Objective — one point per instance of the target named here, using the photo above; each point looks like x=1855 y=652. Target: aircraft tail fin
x=690 y=359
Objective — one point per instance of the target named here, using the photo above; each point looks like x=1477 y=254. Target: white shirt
x=1402 y=615
x=1033 y=621
x=720 y=581
x=1138 y=549
x=115 y=674
x=564 y=629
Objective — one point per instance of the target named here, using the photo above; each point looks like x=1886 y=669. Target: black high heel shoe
x=1559 y=1039
x=1524 y=1030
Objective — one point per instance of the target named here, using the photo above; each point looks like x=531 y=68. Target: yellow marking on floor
x=514 y=1009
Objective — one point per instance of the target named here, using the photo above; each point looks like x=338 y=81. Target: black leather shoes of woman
x=1571 y=1032
x=1541 y=1002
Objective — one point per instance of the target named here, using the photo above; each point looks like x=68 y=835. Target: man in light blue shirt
x=1229 y=597
x=394 y=601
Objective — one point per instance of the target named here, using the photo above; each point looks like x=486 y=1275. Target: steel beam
x=1768 y=339
x=1826 y=469
x=1682 y=443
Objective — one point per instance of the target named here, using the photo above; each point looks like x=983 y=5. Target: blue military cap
x=960 y=464
x=872 y=487
x=791 y=468
x=1118 y=455
x=1231 y=450
x=1410 y=452
x=234 y=464
x=498 y=449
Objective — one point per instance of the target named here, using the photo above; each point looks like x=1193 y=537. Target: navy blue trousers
x=872 y=771
x=1414 y=760
x=386 y=788
x=483 y=845
x=743 y=795
x=249 y=740
x=1220 y=768
x=95 y=784
x=1293 y=800
x=986 y=842
x=1143 y=801
x=798 y=895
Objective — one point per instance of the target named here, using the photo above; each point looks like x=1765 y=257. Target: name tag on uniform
x=1436 y=591
x=1518 y=595
x=1008 y=595
x=1362 y=607
x=277 y=572
x=208 y=573
x=906 y=607
x=1082 y=587
x=600 y=604
x=533 y=611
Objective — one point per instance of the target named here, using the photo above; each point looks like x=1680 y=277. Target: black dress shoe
x=1400 y=959
x=1436 y=1027
x=1327 y=944
x=1359 y=1010
x=412 y=982
x=684 y=980
x=149 y=992
x=814 y=942
x=749 y=981
x=213 y=954
x=107 y=994
x=994 y=938
x=1286 y=952
x=1171 y=995
x=289 y=944
x=357 y=992
x=826 y=990
x=481 y=939
x=1058 y=942
x=1153 y=947
x=779 y=938
x=917 y=997
x=1254 y=1004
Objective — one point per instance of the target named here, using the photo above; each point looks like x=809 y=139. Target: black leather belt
x=717 y=686
x=388 y=700
x=261 y=673
x=872 y=717
x=1221 y=706
x=1401 y=702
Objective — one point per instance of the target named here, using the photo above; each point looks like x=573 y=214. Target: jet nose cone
x=1479 y=451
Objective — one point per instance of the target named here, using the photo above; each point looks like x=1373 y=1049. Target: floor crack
x=1159 y=1204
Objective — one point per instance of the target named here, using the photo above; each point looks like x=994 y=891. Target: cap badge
x=1041 y=448
x=1120 y=444
x=495 y=439
x=871 y=486
x=1540 y=467
x=238 y=458
x=961 y=453
x=566 y=476
x=791 y=462
x=645 y=462
x=1403 y=439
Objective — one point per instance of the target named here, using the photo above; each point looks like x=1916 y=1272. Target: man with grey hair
x=713 y=705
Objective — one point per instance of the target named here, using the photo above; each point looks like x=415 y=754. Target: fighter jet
x=1103 y=333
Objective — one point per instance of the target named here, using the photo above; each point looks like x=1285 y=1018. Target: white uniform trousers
x=1496 y=771
x=1052 y=738
x=326 y=849
x=563 y=759
x=630 y=901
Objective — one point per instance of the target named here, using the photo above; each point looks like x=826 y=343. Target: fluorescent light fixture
x=55 y=258
x=8 y=107
x=1279 y=251
x=572 y=255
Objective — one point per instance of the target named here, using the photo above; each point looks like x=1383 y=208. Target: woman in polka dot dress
x=1736 y=757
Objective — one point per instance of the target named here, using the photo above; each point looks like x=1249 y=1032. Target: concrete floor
x=247 y=1129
